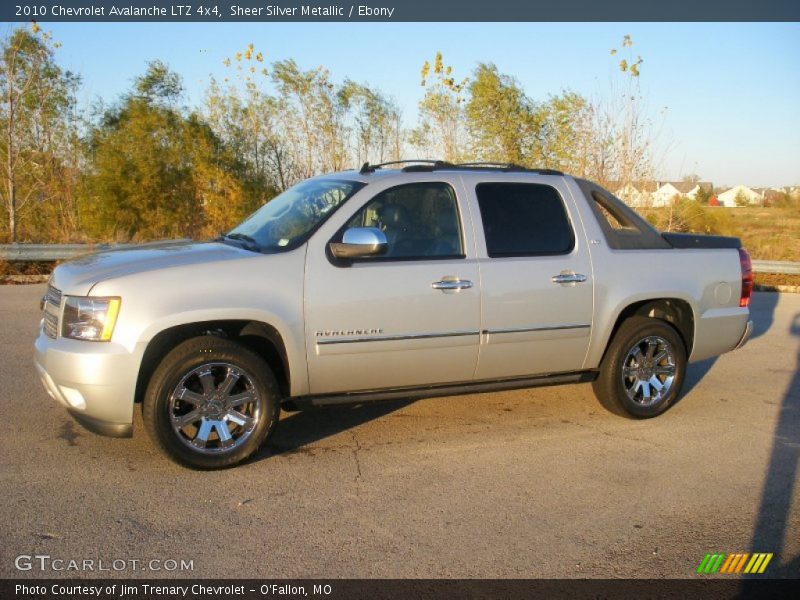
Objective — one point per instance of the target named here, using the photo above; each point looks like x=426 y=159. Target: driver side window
x=420 y=220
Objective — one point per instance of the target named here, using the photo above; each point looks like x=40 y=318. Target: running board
x=433 y=391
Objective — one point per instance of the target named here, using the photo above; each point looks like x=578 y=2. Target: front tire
x=643 y=370
x=211 y=403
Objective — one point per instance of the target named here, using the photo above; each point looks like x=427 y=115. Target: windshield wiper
x=251 y=243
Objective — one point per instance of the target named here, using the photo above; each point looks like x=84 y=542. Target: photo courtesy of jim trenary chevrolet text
x=399 y=299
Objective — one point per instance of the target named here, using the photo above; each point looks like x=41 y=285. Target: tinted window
x=523 y=219
x=420 y=220
x=288 y=219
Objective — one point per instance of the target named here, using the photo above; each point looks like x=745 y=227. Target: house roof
x=684 y=187
x=735 y=190
x=641 y=186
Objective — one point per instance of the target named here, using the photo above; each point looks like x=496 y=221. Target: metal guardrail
x=49 y=252
x=781 y=267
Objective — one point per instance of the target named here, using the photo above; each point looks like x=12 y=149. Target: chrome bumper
x=748 y=330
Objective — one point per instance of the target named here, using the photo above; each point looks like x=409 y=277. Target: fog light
x=74 y=397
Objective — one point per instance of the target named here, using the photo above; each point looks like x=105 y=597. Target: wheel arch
x=264 y=339
x=675 y=311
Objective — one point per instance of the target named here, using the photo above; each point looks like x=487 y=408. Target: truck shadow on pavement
x=774 y=514
x=762 y=310
x=299 y=430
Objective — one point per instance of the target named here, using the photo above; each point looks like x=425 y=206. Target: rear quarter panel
x=709 y=281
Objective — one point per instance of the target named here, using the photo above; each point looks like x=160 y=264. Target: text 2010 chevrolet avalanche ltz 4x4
x=430 y=279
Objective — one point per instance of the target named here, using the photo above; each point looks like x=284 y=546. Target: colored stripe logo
x=737 y=563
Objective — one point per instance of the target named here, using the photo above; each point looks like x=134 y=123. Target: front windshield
x=286 y=221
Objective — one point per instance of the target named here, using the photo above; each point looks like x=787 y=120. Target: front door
x=408 y=318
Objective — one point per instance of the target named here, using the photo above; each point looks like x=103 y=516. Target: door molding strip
x=538 y=328
x=394 y=338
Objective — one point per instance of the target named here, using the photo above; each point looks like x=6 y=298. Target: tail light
x=747 y=277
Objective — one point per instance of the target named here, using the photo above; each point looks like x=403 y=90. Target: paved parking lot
x=532 y=483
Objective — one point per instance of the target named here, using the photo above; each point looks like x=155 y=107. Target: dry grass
x=771 y=280
x=26 y=268
x=767 y=233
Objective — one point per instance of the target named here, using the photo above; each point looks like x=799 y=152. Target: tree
x=157 y=172
x=312 y=117
x=741 y=199
x=159 y=84
x=37 y=122
x=505 y=125
x=307 y=126
x=376 y=122
x=565 y=136
x=441 y=129
x=502 y=121
x=620 y=127
x=248 y=121
x=703 y=195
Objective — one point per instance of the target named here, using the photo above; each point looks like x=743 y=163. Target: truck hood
x=78 y=276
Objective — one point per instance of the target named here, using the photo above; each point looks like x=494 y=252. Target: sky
x=731 y=90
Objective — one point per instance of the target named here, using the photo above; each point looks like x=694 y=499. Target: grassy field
x=767 y=233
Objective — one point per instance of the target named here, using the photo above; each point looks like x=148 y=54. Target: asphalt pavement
x=530 y=483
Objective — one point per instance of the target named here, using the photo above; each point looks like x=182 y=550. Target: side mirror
x=360 y=242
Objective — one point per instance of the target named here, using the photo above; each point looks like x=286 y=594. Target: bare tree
x=442 y=126
x=621 y=127
x=36 y=98
x=375 y=120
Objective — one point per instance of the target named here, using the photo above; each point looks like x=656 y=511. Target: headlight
x=89 y=318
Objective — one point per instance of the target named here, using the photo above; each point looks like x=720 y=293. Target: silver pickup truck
x=405 y=282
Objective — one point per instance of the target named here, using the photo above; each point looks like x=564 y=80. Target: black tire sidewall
x=632 y=331
x=181 y=360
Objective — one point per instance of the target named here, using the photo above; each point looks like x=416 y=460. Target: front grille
x=52 y=308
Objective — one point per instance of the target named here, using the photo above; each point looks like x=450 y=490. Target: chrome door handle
x=451 y=284
x=568 y=278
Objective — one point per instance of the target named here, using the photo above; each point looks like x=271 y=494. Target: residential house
x=668 y=190
x=660 y=193
x=635 y=194
x=728 y=197
x=665 y=193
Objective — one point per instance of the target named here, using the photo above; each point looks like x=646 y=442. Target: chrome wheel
x=648 y=371
x=215 y=407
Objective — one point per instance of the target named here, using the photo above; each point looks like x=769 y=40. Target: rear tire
x=643 y=370
x=211 y=403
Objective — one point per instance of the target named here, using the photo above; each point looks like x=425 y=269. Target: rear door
x=536 y=276
x=408 y=318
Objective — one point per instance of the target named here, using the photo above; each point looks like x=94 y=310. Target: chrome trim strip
x=52 y=310
x=540 y=328
x=394 y=338
x=748 y=330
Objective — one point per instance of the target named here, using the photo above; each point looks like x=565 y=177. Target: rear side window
x=524 y=219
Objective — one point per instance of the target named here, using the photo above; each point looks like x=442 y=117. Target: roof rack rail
x=506 y=166
x=368 y=168
x=435 y=165
x=494 y=165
